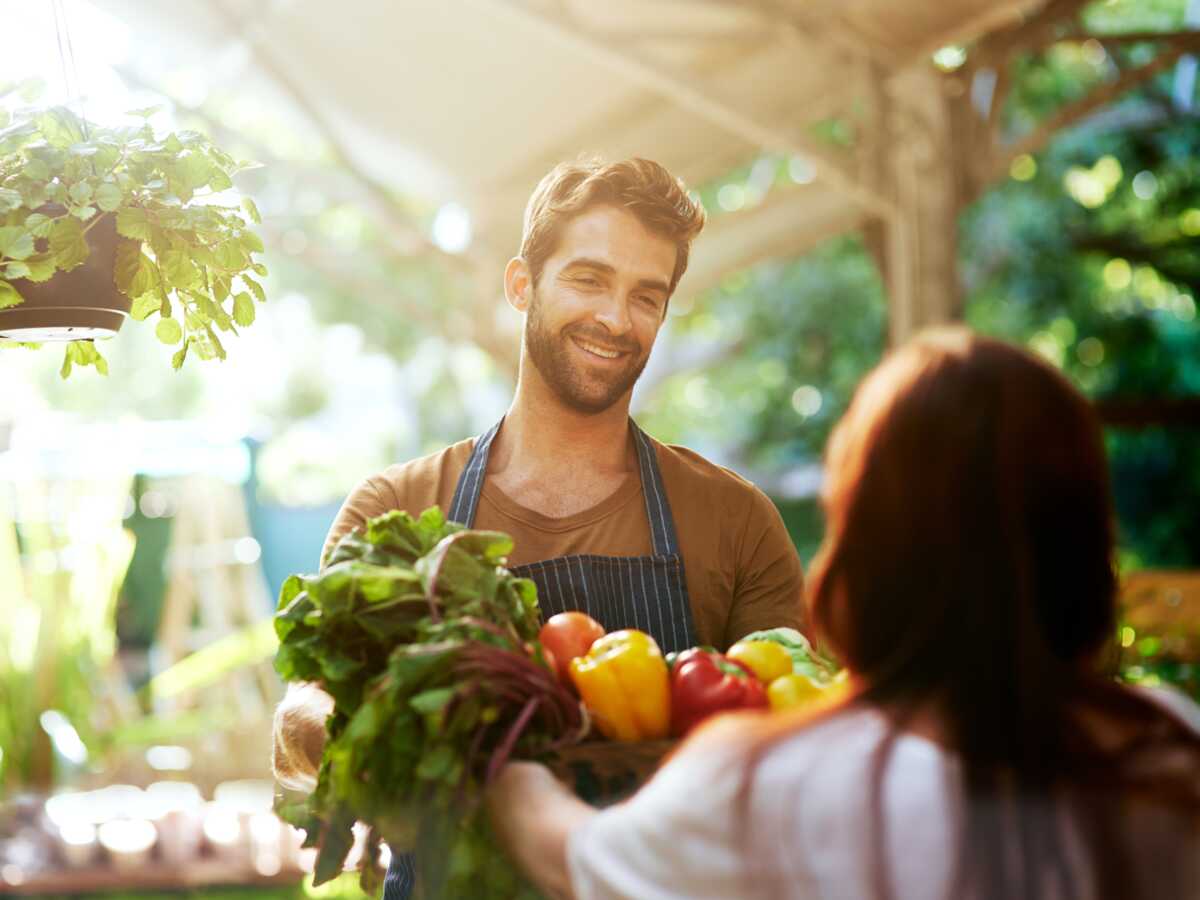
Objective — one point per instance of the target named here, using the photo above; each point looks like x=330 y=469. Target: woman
x=966 y=581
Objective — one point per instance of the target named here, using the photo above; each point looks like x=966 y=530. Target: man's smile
x=595 y=349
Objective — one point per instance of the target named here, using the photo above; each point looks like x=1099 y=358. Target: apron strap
x=658 y=508
x=470 y=482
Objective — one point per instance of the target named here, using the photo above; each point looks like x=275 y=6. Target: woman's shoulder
x=1173 y=701
x=821 y=753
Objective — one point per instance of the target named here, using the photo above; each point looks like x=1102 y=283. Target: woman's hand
x=533 y=813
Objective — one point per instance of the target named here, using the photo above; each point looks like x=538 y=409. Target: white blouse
x=682 y=835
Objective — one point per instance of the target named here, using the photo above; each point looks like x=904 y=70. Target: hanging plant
x=98 y=223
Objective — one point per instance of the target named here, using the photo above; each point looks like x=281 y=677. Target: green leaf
x=145 y=112
x=127 y=264
x=336 y=841
x=436 y=763
x=220 y=181
x=38 y=225
x=9 y=200
x=194 y=169
x=9 y=296
x=16 y=242
x=67 y=243
x=432 y=700
x=218 y=347
x=60 y=127
x=251 y=210
x=81 y=193
x=83 y=213
x=204 y=256
x=169 y=331
x=133 y=222
x=36 y=170
x=91 y=357
x=106 y=157
x=16 y=270
x=133 y=273
x=83 y=353
x=231 y=256
x=251 y=242
x=144 y=306
x=180 y=356
x=243 y=309
x=255 y=288
x=41 y=267
x=180 y=272
x=108 y=196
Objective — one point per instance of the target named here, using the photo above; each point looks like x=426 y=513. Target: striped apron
x=644 y=592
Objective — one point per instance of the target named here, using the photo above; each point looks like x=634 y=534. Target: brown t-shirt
x=741 y=567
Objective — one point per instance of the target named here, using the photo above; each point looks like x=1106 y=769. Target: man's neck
x=543 y=438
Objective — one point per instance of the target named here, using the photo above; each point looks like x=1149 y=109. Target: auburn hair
x=967 y=567
x=658 y=199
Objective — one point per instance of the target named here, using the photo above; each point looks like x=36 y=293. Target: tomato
x=766 y=659
x=569 y=635
x=790 y=691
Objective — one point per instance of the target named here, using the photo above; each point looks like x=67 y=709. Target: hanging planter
x=80 y=304
x=102 y=224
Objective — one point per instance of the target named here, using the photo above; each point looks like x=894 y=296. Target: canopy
x=474 y=100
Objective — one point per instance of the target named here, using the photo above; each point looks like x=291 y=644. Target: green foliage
x=57 y=633
x=419 y=635
x=1091 y=262
x=816 y=324
x=181 y=255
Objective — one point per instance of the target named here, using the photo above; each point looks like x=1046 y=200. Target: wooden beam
x=996 y=48
x=918 y=250
x=685 y=90
x=815 y=27
x=377 y=195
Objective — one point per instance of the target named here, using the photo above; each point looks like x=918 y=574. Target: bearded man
x=604 y=519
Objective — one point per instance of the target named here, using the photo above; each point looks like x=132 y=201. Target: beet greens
x=427 y=645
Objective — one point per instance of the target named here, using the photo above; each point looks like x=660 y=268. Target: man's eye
x=648 y=300
x=587 y=280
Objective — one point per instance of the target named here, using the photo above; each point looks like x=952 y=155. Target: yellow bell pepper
x=790 y=691
x=624 y=684
x=766 y=659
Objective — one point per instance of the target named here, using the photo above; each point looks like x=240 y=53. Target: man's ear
x=518 y=284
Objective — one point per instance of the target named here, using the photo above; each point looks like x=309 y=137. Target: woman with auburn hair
x=966 y=581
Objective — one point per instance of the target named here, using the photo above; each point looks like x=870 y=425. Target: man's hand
x=299 y=733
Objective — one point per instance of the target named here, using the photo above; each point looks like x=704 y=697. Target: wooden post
x=917 y=249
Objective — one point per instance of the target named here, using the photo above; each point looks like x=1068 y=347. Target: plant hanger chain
x=66 y=58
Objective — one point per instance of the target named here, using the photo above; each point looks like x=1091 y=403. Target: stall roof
x=473 y=100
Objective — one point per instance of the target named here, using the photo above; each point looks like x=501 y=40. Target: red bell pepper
x=704 y=682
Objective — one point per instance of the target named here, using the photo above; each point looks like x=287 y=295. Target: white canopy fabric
x=474 y=100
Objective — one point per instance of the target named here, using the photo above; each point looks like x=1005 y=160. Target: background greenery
x=364 y=354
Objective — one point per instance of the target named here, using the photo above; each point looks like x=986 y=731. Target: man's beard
x=552 y=356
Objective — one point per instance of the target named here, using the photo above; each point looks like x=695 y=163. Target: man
x=604 y=519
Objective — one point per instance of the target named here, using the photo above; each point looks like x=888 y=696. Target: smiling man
x=604 y=519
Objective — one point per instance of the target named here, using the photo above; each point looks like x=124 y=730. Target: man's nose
x=613 y=314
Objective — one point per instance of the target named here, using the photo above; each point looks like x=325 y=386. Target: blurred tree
x=1086 y=254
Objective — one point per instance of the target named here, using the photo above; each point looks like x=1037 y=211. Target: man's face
x=597 y=307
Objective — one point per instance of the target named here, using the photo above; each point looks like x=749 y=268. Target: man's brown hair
x=647 y=190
